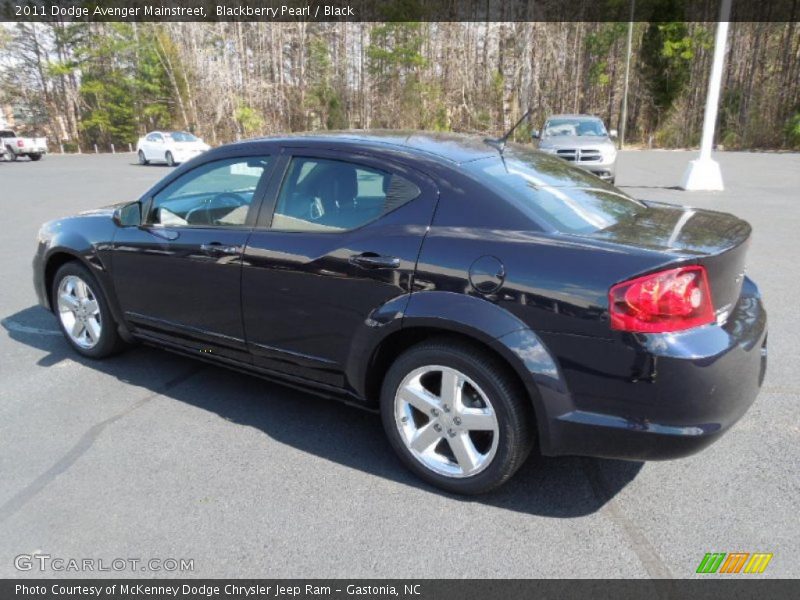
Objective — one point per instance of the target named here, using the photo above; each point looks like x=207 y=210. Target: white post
x=704 y=173
x=112 y=149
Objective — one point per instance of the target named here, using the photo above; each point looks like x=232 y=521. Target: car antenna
x=500 y=143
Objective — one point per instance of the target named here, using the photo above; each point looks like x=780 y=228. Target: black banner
x=740 y=587
x=398 y=10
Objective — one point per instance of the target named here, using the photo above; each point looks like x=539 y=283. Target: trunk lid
x=718 y=241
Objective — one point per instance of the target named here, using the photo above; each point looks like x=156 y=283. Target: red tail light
x=20 y=143
x=670 y=300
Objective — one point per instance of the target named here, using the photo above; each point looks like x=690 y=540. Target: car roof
x=453 y=147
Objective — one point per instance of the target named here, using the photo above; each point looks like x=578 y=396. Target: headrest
x=337 y=185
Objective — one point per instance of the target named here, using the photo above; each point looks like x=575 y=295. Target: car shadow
x=552 y=487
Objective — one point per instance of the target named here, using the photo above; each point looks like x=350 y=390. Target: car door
x=178 y=276
x=338 y=237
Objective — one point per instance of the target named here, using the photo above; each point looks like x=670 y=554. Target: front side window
x=219 y=193
x=331 y=196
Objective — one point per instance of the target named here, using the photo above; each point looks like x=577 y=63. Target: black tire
x=109 y=341
x=170 y=159
x=512 y=407
x=10 y=156
x=35 y=157
x=142 y=160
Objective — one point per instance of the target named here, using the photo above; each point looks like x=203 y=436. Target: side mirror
x=613 y=133
x=129 y=215
x=535 y=134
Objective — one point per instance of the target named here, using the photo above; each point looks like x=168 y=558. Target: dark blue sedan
x=486 y=299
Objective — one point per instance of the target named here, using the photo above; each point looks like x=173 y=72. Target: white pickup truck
x=12 y=147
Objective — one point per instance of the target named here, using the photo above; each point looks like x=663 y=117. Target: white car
x=171 y=147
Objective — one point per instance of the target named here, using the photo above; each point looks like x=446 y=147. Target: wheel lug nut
x=451 y=433
x=446 y=408
x=457 y=421
x=437 y=427
x=434 y=412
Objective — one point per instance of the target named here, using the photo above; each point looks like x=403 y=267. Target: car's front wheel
x=10 y=156
x=170 y=159
x=456 y=416
x=83 y=313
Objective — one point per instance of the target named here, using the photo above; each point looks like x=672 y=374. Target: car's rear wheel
x=456 y=417
x=83 y=313
x=35 y=157
x=170 y=159
x=142 y=159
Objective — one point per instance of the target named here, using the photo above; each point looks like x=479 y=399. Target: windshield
x=181 y=136
x=576 y=127
x=553 y=193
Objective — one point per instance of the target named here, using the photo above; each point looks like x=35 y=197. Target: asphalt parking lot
x=151 y=455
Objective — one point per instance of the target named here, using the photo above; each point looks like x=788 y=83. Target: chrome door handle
x=370 y=260
x=217 y=248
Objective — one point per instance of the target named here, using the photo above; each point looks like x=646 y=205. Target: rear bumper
x=660 y=396
x=29 y=150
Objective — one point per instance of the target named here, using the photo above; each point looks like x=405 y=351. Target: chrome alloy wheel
x=79 y=312
x=446 y=421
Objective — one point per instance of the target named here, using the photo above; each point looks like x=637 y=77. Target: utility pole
x=704 y=173
x=624 y=116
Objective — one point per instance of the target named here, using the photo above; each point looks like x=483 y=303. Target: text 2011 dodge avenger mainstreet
x=484 y=296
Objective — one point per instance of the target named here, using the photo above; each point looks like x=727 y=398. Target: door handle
x=215 y=248
x=370 y=260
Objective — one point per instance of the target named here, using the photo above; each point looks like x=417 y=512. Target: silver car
x=580 y=139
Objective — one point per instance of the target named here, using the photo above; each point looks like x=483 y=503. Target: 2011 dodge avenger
x=486 y=298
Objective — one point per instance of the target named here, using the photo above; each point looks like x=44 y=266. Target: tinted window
x=330 y=195
x=552 y=192
x=214 y=194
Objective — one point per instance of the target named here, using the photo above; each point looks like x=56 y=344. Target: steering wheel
x=223 y=200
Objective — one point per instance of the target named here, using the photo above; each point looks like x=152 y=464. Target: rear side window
x=324 y=195
x=552 y=192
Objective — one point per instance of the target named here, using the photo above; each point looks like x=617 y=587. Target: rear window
x=553 y=193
